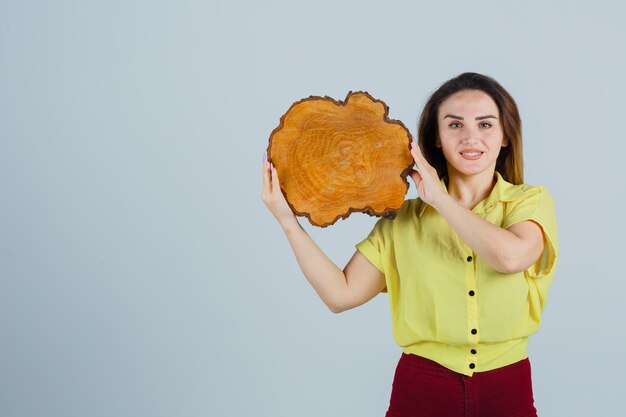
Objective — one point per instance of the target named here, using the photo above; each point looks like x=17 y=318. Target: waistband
x=431 y=367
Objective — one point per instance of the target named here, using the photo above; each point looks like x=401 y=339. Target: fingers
x=418 y=158
x=417 y=153
x=417 y=178
x=420 y=161
x=275 y=182
x=265 y=173
x=267 y=178
x=271 y=183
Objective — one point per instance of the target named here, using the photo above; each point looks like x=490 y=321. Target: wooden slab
x=334 y=158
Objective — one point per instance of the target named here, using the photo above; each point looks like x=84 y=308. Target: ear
x=437 y=142
x=505 y=142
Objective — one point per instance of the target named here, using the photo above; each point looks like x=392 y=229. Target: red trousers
x=423 y=388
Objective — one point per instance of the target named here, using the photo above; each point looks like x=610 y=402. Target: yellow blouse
x=447 y=304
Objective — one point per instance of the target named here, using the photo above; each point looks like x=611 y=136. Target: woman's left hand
x=426 y=179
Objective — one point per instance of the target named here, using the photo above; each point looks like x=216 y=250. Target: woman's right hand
x=272 y=195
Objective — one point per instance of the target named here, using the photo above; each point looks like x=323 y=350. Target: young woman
x=467 y=265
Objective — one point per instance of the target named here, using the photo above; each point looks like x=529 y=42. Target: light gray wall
x=140 y=273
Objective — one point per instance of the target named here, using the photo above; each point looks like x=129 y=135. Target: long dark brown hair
x=510 y=163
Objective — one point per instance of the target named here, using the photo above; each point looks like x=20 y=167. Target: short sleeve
x=537 y=205
x=372 y=247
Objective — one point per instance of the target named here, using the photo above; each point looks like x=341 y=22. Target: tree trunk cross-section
x=334 y=158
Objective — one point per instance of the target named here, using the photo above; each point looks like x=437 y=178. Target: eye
x=485 y=124
x=454 y=124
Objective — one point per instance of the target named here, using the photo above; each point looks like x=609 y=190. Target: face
x=470 y=132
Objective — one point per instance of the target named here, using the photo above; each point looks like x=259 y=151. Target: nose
x=470 y=135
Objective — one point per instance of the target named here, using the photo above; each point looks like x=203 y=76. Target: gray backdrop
x=140 y=273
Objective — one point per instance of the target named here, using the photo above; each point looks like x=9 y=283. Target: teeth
x=472 y=153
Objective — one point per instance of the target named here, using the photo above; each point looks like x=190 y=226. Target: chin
x=465 y=171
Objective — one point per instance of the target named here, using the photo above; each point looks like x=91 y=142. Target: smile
x=471 y=155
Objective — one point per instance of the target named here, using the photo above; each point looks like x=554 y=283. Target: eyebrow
x=478 y=118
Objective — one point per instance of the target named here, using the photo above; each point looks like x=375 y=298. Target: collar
x=502 y=191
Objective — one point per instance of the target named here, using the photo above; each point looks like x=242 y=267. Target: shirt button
x=471 y=293
x=469 y=259
x=473 y=351
x=474 y=331
x=472 y=366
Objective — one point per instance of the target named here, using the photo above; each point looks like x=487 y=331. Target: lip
x=480 y=153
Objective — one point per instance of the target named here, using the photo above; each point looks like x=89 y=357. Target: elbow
x=337 y=302
x=507 y=264
x=335 y=308
x=521 y=254
x=506 y=269
x=340 y=304
x=511 y=265
x=340 y=308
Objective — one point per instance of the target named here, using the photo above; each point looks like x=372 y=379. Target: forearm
x=327 y=279
x=497 y=246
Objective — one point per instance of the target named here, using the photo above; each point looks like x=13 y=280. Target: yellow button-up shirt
x=449 y=305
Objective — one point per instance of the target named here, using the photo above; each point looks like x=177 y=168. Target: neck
x=469 y=190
